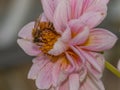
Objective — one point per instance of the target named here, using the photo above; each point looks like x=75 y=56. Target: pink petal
x=84 y=55
x=76 y=8
x=58 y=74
x=100 y=40
x=101 y=61
x=75 y=63
x=76 y=26
x=43 y=18
x=36 y=67
x=48 y=7
x=26 y=31
x=83 y=74
x=91 y=60
x=79 y=7
x=83 y=59
x=33 y=73
x=81 y=37
x=39 y=58
x=91 y=84
x=71 y=60
x=96 y=5
x=56 y=2
x=64 y=86
x=28 y=47
x=58 y=48
x=66 y=36
x=74 y=83
x=107 y=1
x=44 y=79
x=93 y=71
x=98 y=83
x=92 y=19
x=62 y=15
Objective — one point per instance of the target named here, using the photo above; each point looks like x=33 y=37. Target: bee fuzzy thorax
x=44 y=35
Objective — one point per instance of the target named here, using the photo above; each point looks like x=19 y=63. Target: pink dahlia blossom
x=67 y=45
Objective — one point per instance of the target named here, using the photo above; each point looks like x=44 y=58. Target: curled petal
x=83 y=59
x=26 y=31
x=74 y=83
x=81 y=37
x=75 y=62
x=100 y=40
x=44 y=79
x=71 y=60
x=58 y=48
x=29 y=48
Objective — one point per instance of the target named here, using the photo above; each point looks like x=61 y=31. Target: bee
x=40 y=30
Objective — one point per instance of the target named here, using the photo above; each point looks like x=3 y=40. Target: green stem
x=111 y=68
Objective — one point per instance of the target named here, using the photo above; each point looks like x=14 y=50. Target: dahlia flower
x=67 y=45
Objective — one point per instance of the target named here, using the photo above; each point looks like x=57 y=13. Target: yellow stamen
x=48 y=38
x=44 y=35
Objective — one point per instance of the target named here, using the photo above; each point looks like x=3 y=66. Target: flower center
x=44 y=35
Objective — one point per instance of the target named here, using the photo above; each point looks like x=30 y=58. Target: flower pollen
x=44 y=35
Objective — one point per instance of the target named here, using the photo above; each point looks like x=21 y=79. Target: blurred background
x=15 y=64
